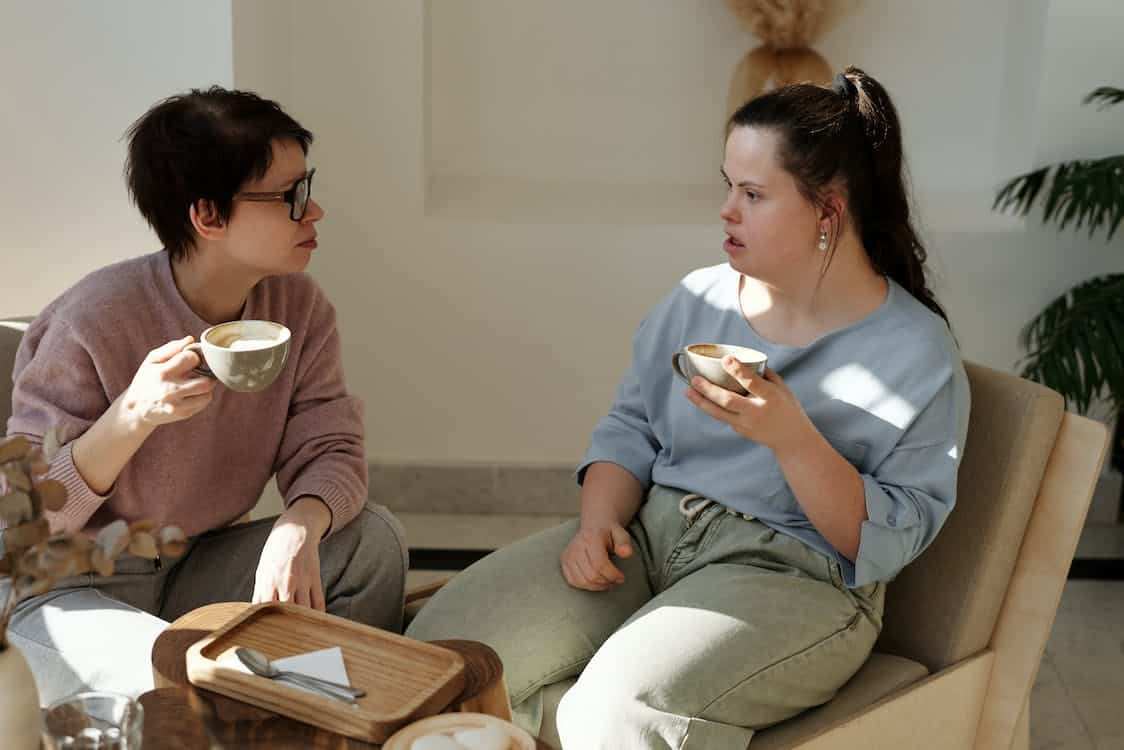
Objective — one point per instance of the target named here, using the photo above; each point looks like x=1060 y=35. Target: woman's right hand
x=164 y=389
x=585 y=561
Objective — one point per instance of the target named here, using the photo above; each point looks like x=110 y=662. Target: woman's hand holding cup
x=244 y=355
x=164 y=388
x=769 y=413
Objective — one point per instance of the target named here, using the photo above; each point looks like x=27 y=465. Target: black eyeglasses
x=297 y=196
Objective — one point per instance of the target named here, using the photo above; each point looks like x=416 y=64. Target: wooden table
x=180 y=716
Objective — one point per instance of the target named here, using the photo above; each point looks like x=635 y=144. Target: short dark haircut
x=202 y=145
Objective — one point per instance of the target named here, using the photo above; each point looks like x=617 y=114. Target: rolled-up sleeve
x=912 y=491
x=322 y=452
x=624 y=436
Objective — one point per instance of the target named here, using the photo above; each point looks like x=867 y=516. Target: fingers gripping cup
x=244 y=355
x=706 y=360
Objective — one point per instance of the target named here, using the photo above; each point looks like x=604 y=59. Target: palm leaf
x=1086 y=193
x=1019 y=193
x=1105 y=96
x=1076 y=343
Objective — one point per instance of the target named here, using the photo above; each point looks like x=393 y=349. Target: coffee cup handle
x=678 y=368
x=202 y=369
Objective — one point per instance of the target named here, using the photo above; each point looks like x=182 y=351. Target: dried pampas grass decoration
x=781 y=24
x=786 y=29
x=33 y=558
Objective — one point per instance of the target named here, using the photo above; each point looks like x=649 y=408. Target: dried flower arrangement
x=786 y=30
x=32 y=557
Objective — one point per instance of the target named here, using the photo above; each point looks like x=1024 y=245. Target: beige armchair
x=967 y=623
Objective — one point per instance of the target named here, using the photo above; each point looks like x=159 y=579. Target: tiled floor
x=1078 y=699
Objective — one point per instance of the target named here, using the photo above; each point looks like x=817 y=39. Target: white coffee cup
x=244 y=355
x=706 y=360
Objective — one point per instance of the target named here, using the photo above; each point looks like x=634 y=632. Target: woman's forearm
x=829 y=489
x=609 y=493
x=101 y=452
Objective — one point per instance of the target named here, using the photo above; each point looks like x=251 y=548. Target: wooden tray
x=405 y=679
x=517 y=738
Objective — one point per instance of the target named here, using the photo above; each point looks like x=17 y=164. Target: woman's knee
x=80 y=639
x=470 y=605
x=597 y=715
x=363 y=568
x=607 y=715
x=374 y=544
x=502 y=590
x=580 y=713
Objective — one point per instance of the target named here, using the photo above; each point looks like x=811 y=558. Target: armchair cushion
x=880 y=676
x=943 y=607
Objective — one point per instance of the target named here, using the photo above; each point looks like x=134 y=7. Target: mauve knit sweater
x=203 y=472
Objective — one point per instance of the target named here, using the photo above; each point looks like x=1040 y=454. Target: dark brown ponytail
x=850 y=132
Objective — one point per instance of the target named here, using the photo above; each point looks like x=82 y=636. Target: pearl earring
x=823 y=241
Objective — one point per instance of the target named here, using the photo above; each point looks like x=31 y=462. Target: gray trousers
x=722 y=626
x=96 y=633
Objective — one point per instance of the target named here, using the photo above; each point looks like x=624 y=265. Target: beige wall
x=511 y=185
x=76 y=74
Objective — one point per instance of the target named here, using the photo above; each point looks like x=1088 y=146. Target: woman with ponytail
x=729 y=567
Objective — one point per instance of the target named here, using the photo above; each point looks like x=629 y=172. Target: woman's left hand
x=770 y=414
x=289 y=568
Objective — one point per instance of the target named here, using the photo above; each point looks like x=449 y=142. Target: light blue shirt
x=889 y=393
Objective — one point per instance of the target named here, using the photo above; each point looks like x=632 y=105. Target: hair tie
x=845 y=87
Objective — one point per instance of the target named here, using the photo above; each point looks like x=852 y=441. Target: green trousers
x=721 y=627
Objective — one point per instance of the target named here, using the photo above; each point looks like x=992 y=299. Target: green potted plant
x=33 y=560
x=1076 y=344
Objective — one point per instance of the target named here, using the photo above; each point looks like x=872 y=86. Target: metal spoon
x=259 y=664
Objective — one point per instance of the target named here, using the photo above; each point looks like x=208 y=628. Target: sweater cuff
x=343 y=509
x=81 y=501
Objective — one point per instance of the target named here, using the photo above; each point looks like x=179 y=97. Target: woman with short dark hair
x=221 y=177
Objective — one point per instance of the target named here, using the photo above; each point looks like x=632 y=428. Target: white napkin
x=327 y=664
